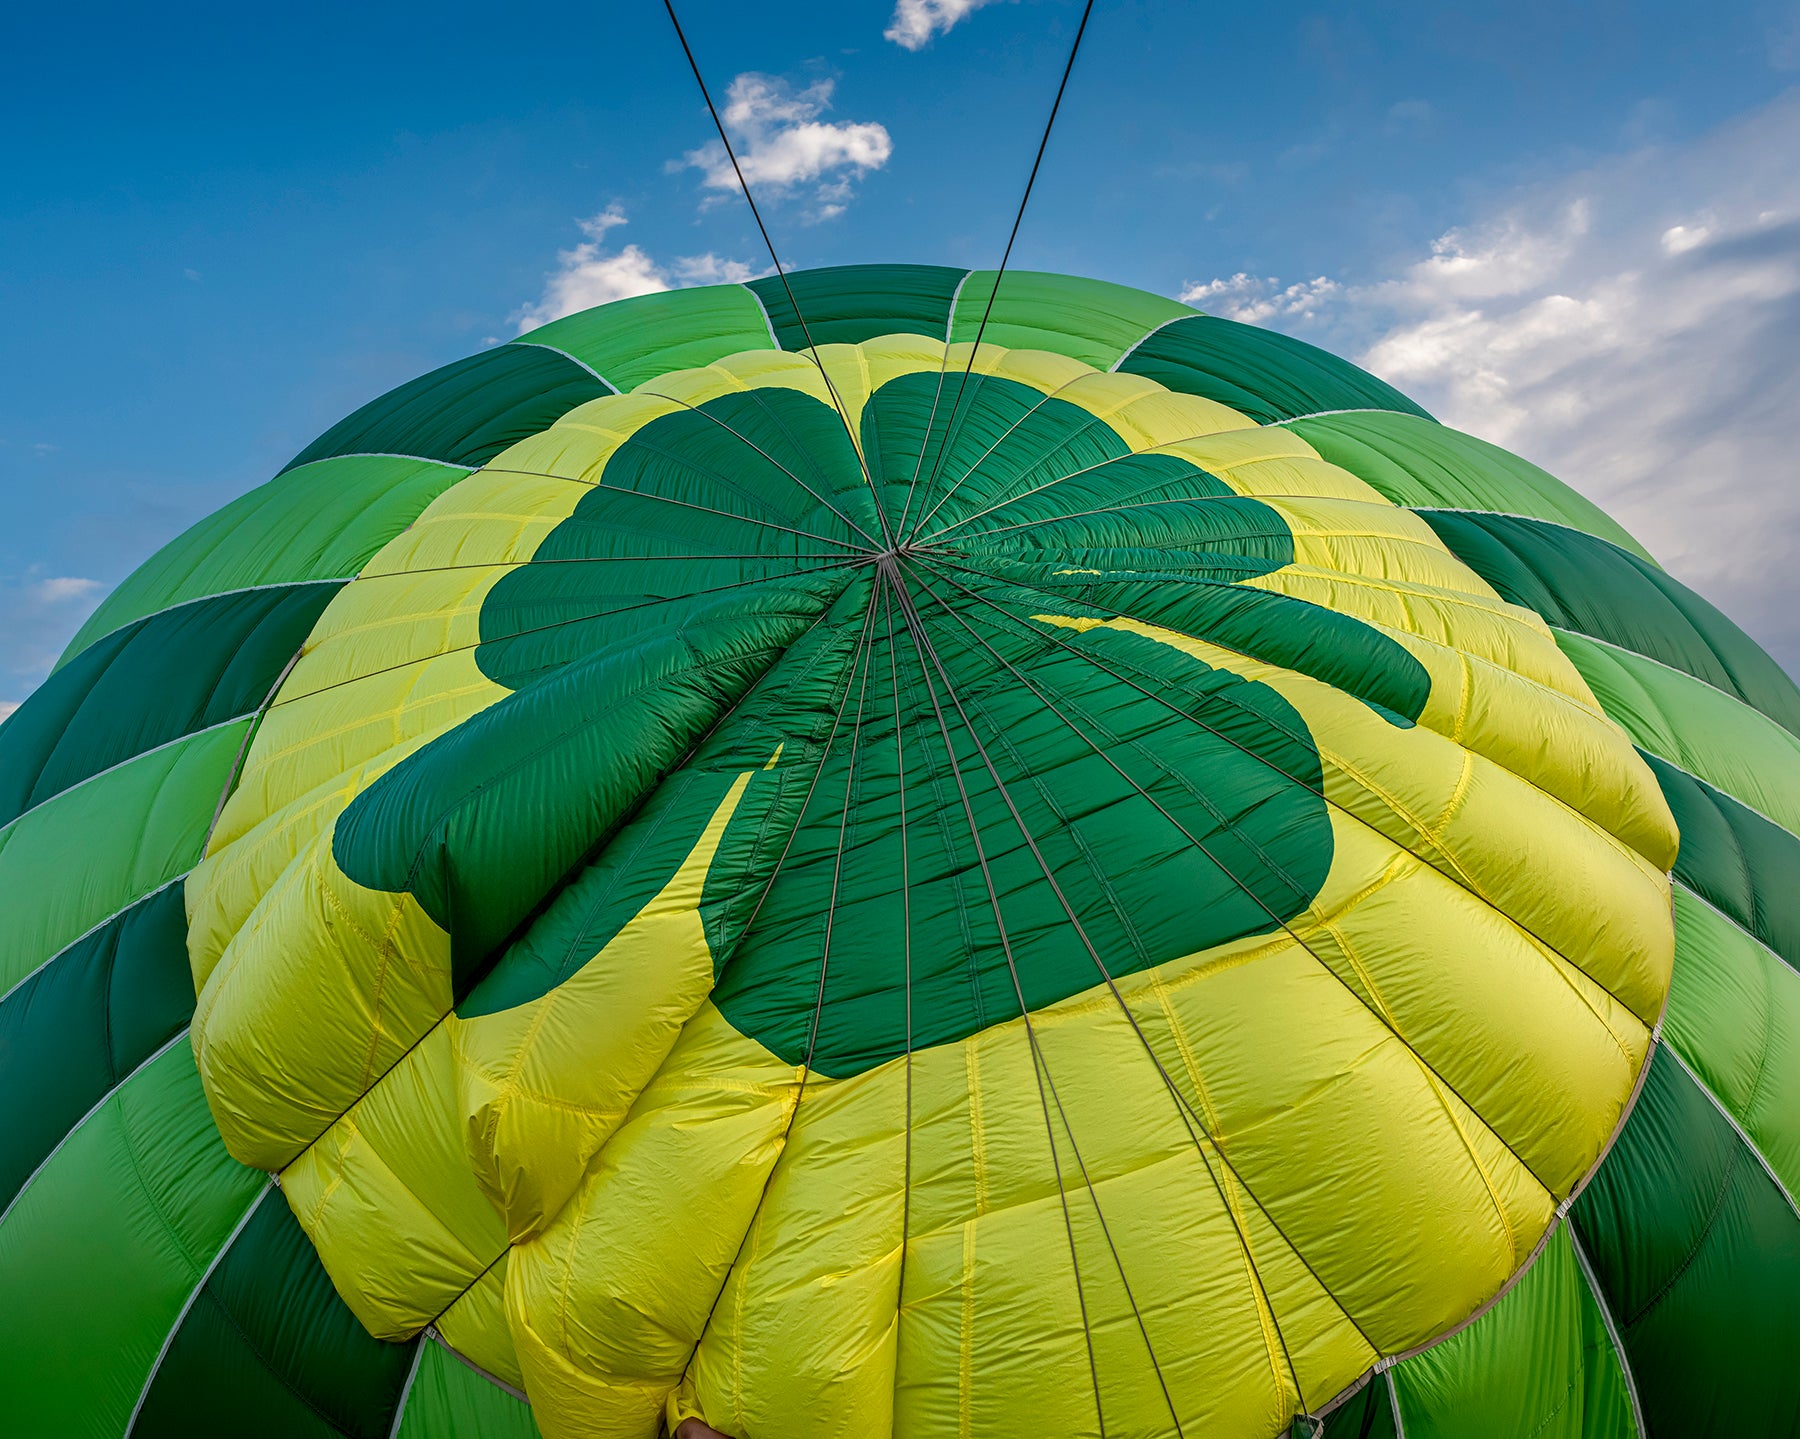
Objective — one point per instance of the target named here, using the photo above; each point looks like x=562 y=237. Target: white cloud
x=590 y=274
x=1256 y=300
x=916 y=21
x=783 y=147
x=38 y=614
x=1635 y=329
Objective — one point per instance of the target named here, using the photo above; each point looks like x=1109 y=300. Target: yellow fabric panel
x=362 y=727
x=1374 y=540
x=494 y=517
x=579 y=444
x=1145 y=415
x=325 y=986
x=1539 y=862
x=802 y=1337
x=388 y=1201
x=1264 y=463
x=543 y=1085
x=608 y=1300
x=475 y=1325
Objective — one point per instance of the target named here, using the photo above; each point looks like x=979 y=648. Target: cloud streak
x=916 y=22
x=785 y=150
x=1635 y=329
x=38 y=613
x=592 y=274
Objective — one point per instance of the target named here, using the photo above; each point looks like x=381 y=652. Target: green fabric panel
x=466 y=412
x=1689 y=723
x=1367 y=1414
x=485 y=822
x=151 y=682
x=103 y=1249
x=1260 y=373
x=1577 y=582
x=847 y=304
x=1538 y=1363
x=322 y=521
x=83 y=1022
x=269 y=1347
x=1698 y=1255
x=80 y=858
x=1735 y=859
x=631 y=341
x=1420 y=463
x=449 y=1400
x=1734 y=1016
x=1094 y=321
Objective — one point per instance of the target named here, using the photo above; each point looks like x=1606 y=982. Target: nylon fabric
x=316 y=522
x=1266 y=375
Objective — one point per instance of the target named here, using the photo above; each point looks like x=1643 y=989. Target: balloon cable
x=781 y=273
x=1006 y=255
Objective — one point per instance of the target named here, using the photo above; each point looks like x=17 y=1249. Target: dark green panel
x=1223 y=810
x=79 y=1025
x=1367 y=1414
x=1577 y=582
x=268 y=1347
x=487 y=821
x=153 y=681
x=1698 y=1255
x=1742 y=864
x=1260 y=373
x=466 y=412
x=847 y=304
x=1419 y=463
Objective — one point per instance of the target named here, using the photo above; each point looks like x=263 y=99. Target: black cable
x=1006 y=255
x=769 y=245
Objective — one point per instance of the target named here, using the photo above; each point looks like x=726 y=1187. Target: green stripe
x=1734 y=1016
x=155 y=680
x=464 y=413
x=847 y=304
x=449 y=1400
x=1577 y=582
x=631 y=341
x=1689 y=723
x=1698 y=1254
x=1539 y=1363
x=84 y=1021
x=1744 y=865
x=102 y=1251
x=77 y=859
x=1259 y=373
x=267 y=1337
x=1093 y=321
x=318 y=522
x=1418 y=463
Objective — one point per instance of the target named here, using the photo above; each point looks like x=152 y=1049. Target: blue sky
x=1574 y=228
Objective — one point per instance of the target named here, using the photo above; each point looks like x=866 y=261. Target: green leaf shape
x=683 y=627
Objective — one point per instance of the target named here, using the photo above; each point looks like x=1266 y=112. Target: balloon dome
x=745 y=863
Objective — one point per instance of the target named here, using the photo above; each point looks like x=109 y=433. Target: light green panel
x=449 y=1400
x=102 y=1249
x=1093 y=321
x=1734 y=1016
x=631 y=341
x=90 y=851
x=1689 y=723
x=1424 y=465
x=319 y=522
x=1539 y=1364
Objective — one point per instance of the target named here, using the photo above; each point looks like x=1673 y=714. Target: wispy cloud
x=592 y=274
x=915 y=22
x=1257 y=300
x=38 y=613
x=1635 y=328
x=786 y=150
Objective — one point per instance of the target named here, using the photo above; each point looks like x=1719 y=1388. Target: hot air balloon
x=745 y=863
